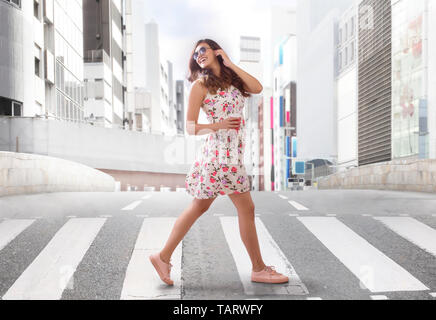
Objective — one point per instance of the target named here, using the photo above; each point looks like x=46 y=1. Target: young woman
x=219 y=88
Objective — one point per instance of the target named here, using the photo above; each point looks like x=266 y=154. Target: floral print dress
x=220 y=169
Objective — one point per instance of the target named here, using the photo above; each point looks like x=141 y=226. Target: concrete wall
x=98 y=147
x=22 y=173
x=401 y=175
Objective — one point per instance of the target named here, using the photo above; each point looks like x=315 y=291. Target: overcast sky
x=183 y=22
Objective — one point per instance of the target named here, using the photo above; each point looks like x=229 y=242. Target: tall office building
x=129 y=94
x=282 y=21
x=316 y=86
x=375 y=81
x=250 y=54
x=41 y=59
x=104 y=61
x=284 y=109
x=346 y=87
x=413 y=79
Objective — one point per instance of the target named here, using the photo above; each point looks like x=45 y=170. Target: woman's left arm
x=251 y=84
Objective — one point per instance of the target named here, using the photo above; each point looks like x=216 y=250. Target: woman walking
x=219 y=88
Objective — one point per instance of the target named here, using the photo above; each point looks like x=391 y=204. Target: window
x=346 y=56
x=352 y=26
x=16 y=108
x=352 y=51
x=10 y=108
x=346 y=31
x=340 y=61
x=16 y=3
x=36 y=11
x=37 y=67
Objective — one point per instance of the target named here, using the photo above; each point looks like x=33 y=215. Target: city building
x=413 y=78
x=375 y=82
x=41 y=59
x=284 y=109
x=346 y=88
x=129 y=92
x=317 y=113
x=158 y=80
x=104 y=62
x=281 y=21
x=250 y=55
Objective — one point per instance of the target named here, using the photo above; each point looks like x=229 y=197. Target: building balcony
x=95 y=56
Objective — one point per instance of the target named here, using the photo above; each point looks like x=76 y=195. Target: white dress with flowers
x=220 y=169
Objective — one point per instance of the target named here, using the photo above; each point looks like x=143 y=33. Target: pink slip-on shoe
x=163 y=269
x=268 y=275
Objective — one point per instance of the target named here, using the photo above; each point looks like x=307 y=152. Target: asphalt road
x=334 y=244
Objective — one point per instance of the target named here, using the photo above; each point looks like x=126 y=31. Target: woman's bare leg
x=247 y=227
x=182 y=225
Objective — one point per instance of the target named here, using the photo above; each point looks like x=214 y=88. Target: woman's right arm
x=196 y=97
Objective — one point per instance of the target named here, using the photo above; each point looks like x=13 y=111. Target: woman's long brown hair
x=211 y=81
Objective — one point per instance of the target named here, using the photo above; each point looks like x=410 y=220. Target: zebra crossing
x=348 y=255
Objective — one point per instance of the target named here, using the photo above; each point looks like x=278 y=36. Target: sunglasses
x=201 y=51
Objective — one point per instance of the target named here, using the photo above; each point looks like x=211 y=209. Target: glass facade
x=409 y=83
x=68 y=23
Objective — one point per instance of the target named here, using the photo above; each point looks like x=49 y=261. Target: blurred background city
x=348 y=84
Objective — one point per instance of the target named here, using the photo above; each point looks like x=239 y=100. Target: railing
x=320 y=171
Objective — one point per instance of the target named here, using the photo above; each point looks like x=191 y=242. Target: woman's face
x=204 y=57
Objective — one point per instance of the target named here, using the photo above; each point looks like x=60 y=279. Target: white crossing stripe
x=376 y=271
x=9 y=229
x=142 y=281
x=294 y=215
x=297 y=206
x=49 y=274
x=148 y=196
x=314 y=298
x=132 y=206
x=379 y=297
x=283 y=197
x=413 y=230
x=433 y=294
x=271 y=254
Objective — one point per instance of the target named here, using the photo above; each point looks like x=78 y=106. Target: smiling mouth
x=203 y=60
